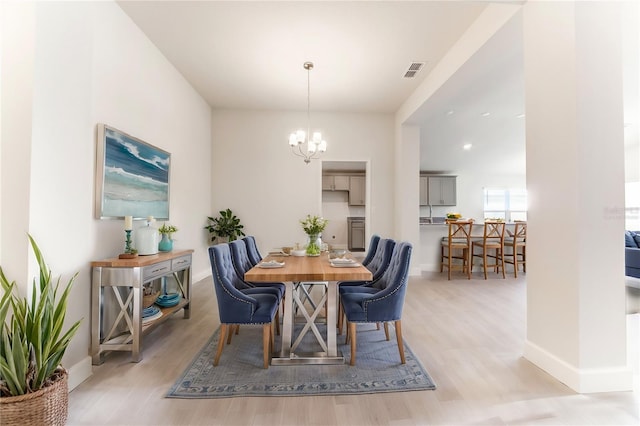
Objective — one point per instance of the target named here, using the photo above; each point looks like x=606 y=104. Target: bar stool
x=492 y=239
x=517 y=241
x=459 y=238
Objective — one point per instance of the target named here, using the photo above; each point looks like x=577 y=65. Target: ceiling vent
x=414 y=68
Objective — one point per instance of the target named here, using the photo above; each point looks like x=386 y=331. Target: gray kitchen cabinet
x=355 y=232
x=442 y=190
x=335 y=183
x=357 y=190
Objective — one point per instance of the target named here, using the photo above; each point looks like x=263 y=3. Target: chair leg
x=223 y=332
x=501 y=251
x=441 y=258
x=398 y=324
x=230 y=333
x=266 y=344
x=466 y=260
x=449 y=263
x=272 y=336
x=277 y=322
x=386 y=330
x=471 y=256
x=484 y=262
x=352 y=333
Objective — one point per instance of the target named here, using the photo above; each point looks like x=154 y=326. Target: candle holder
x=129 y=252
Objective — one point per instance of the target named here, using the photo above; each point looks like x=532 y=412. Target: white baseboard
x=415 y=271
x=430 y=267
x=201 y=276
x=79 y=372
x=613 y=379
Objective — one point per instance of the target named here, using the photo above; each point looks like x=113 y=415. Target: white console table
x=117 y=294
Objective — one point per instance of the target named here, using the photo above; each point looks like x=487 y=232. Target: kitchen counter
x=432 y=220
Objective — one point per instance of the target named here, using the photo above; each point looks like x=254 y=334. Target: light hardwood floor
x=468 y=334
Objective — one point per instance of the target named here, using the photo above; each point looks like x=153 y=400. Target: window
x=507 y=204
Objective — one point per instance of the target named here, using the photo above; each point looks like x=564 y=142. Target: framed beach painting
x=132 y=177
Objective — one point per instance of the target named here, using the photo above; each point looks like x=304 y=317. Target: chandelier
x=304 y=144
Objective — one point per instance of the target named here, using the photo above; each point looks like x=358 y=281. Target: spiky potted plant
x=33 y=384
x=225 y=227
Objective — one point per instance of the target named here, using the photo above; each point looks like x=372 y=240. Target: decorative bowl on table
x=168 y=300
x=150 y=311
x=298 y=253
x=150 y=314
x=338 y=253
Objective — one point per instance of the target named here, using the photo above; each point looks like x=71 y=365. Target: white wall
x=270 y=190
x=91 y=64
x=576 y=297
x=17 y=25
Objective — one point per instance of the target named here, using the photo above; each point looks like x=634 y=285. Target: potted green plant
x=166 y=243
x=33 y=384
x=226 y=226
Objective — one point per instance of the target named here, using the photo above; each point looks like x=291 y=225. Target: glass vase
x=166 y=243
x=314 y=245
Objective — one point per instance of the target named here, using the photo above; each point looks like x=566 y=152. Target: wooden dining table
x=298 y=271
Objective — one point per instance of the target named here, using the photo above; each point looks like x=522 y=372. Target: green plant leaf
x=32 y=348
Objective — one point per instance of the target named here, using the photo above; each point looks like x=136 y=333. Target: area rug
x=240 y=371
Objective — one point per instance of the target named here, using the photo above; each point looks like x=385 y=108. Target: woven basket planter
x=48 y=406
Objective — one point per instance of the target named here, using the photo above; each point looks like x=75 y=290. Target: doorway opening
x=345 y=195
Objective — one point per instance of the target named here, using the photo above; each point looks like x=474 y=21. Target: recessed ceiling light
x=485 y=114
x=467 y=146
x=520 y=116
x=450 y=112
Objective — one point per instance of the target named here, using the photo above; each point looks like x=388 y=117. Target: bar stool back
x=517 y=242
x=456 y=246
x=492 y=239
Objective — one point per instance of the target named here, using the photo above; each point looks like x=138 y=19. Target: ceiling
x=482 y=104
x=250 y=55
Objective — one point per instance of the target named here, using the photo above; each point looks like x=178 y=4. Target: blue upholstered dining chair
x=378 y=265
x=242 y=263
x=252 y=250
x=236 y=307
x=383 y=305
x=373 y=245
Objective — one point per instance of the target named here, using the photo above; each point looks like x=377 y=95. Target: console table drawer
x=156 y=270
x=180 y=263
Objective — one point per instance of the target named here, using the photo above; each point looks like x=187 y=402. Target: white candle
x=128 y=223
